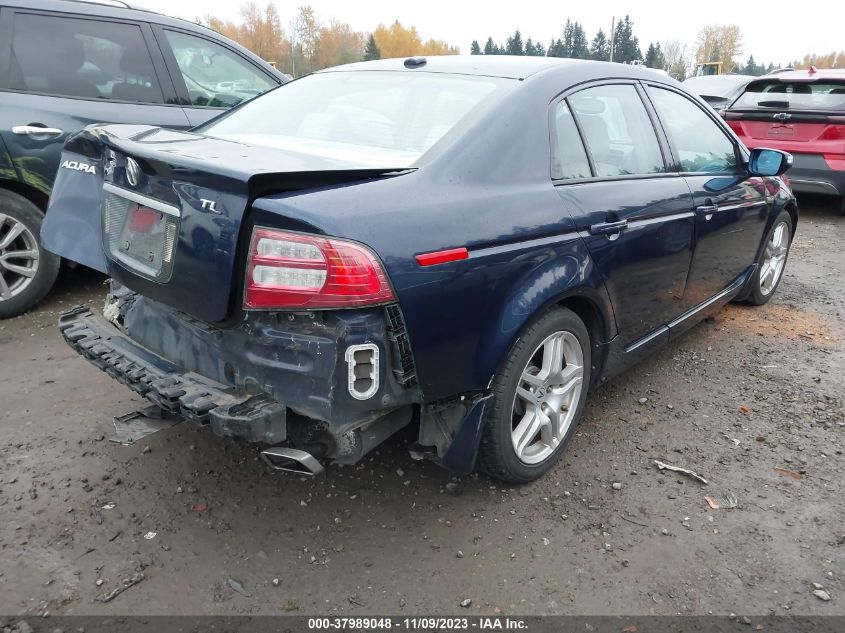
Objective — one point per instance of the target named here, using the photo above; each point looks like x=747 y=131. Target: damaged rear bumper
x=278 y=378
x=256 y=418
x=270 y=378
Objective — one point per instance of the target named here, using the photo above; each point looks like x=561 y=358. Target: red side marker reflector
x=441 y=257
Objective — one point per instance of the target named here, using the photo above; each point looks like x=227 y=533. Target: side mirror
x=768 y=162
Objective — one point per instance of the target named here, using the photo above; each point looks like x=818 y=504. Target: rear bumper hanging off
x=256 y=418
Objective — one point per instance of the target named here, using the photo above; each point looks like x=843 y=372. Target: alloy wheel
x=547 y=397
x=774 y=258
x=18 y=257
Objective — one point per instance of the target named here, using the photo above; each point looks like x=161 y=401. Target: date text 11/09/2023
x=480 y=623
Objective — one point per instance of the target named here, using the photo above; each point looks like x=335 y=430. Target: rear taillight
x=293 y=270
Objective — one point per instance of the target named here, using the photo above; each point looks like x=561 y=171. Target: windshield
x=365 y=118
x=785 y=95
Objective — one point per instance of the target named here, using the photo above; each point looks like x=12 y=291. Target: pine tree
x=579 y=48
x=530 y=49
x=654 y=57
x=475 y=49
x=568 y=37
x=490 y=47
x=556 y=49
x=626 y=47
x=541 y=50
x=372 y=50
x=751 y=67
x=600 y=47
x=514 y=45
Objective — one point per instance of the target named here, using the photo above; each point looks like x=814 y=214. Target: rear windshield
x=786 y=95
x=365 y=118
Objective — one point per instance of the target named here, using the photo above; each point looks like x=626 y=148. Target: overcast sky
x=775 y=31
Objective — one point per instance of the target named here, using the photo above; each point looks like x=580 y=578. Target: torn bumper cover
x=248 y=379
x=256 y=418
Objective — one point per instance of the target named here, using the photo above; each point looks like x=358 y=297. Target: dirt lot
x=739 y=396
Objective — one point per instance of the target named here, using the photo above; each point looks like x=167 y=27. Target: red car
x=801 y=112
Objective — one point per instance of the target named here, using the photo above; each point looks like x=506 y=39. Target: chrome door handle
x=706 y=209
x=34 y=130
x=605 y=228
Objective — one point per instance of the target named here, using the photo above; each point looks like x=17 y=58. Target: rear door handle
x=605 y=228
x=35 y=130
x=707 y=210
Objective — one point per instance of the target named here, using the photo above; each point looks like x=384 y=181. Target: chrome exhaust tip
x=292 y=460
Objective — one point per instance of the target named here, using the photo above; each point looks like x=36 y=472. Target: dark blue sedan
x=468 y=245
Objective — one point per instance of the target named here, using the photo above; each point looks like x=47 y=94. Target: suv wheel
x=27 y=271
x=538 y=398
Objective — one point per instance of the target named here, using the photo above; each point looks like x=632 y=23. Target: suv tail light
x=294 y=270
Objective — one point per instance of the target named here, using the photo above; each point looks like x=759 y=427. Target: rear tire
x=538 y=398
x=772 y=262
x=27 y=271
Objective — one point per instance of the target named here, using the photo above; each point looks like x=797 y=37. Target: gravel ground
x=740 y=396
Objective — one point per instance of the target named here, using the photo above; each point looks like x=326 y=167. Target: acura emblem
x=133 y=172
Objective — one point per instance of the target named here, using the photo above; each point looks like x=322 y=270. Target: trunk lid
x=165 y=212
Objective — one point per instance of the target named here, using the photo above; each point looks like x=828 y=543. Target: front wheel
x=538 y=398
x=772 y=261
x=27 y=271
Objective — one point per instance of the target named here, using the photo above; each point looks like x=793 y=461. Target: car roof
x=807 y=74
x=506 y=66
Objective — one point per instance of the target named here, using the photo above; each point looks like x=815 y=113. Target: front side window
x=702 y=146
x=215 y=76
x=361 y=118
x=618 y=131
x=90 y=59
x=570 y=158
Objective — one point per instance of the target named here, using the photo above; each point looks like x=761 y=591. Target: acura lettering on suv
x=466 y=245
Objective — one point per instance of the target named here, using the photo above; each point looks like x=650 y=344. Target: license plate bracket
x=140 y=232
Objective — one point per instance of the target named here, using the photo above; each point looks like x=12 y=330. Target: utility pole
x=612 y=35
x=292 y=48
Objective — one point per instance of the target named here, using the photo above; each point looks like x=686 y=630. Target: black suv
x=66 y=64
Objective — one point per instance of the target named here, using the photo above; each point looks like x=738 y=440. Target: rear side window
x=793 y=95
x=570 y=157
x=90 y=59
x=215 y=76
x=702 y=145
x=618 y=132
